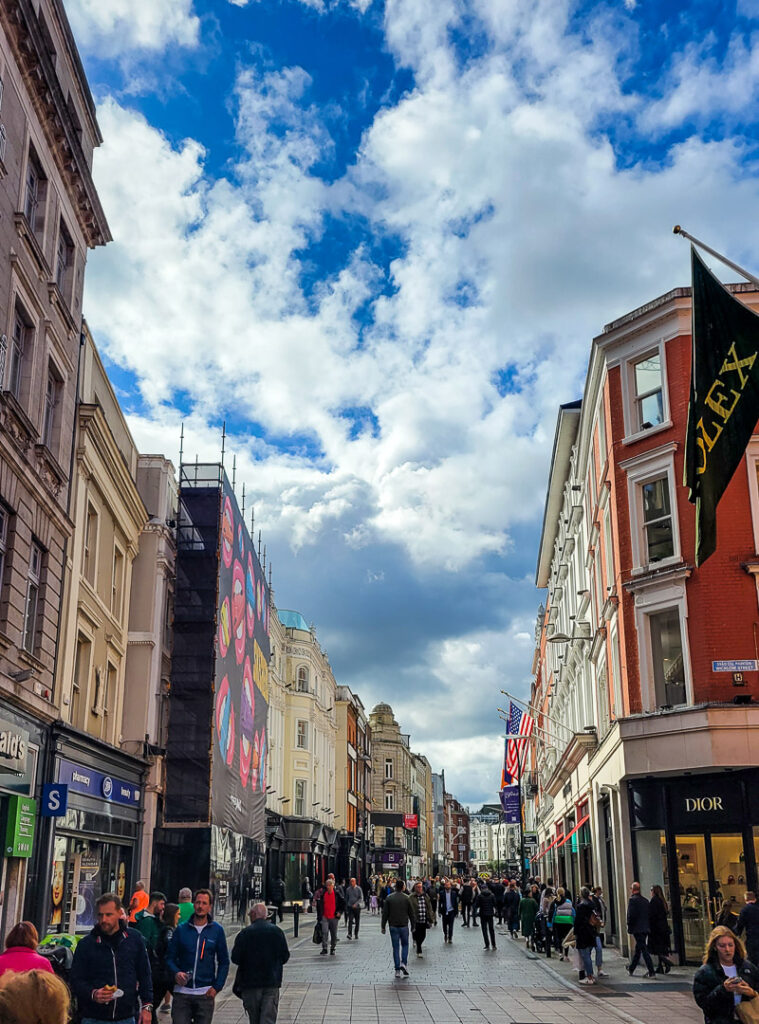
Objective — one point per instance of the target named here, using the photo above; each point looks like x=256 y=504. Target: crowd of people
x=157 y=957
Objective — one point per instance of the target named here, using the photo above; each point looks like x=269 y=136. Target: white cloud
x=114 y=27
x=521 y=234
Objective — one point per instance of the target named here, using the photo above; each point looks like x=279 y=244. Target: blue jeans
x=599 y=953
x=587 y=963
x=399 y=939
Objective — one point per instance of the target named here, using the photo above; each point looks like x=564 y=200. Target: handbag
x=595 y=921
x=747 y=1011
x=317 y=936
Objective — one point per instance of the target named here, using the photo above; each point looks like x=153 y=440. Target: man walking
x=424 y=916
x=354 y=897
x=485 y=907
x=448 y=908
x=139 y=901
x=199 y=962
x=277 y=895
x=466 y=904
x=329 y=906
x=260 y=951
x=110 y=975
x=148 y=921
x=398 y=912
x=638 y=925
x=748 y=922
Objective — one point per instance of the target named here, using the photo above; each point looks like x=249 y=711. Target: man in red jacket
x=330 y=904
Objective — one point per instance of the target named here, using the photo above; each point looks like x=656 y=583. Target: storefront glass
x=693 y=881
x=82 y=870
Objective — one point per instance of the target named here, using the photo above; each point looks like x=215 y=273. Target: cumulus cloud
x=113 y=27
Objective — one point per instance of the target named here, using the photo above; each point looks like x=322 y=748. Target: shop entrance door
x=711 y=871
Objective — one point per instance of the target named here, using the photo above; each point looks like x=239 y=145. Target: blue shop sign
x=103 y=787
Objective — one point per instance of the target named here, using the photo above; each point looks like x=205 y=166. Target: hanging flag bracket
x=677 y=230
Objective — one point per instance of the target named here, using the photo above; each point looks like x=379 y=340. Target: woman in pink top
x=20 y=955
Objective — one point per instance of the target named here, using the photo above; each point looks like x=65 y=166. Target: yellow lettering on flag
x=722 y=403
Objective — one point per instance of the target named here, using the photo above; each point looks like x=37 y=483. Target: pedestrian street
x=458 y=984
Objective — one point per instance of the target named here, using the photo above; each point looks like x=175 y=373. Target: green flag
x=724 y=397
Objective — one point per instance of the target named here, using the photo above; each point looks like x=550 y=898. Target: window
x=657 y=520
x=90 y=545
x=117 y=581
x=64 y=258
x=3 y=140
x=388 y=768
x=81 y=678
x=667 y=656
x=34 y=195
x=4 y=517
x=389 y=801
x=32 y=597
x=18 y=344
x=300 y=797
x=301 y=735
x=109 y=696
x=52 y=392
x=649 y=400
x=303 y=679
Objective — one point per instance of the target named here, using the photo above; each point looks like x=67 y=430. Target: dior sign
x=703 y=803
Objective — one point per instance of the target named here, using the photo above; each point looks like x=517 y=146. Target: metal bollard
x=296 y=919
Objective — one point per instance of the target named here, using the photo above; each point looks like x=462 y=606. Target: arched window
x=303 y=679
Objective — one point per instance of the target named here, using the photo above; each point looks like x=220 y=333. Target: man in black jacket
x=466 y=904
x=112 y=959
x=748 y=922
x=260 y=951
x=448 y=908
x=485 y=906
x=639 y=925
x=277 y=895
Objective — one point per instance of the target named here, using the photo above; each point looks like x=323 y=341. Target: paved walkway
x=459 y=984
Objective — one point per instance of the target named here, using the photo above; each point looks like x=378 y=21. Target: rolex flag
x=724 y=397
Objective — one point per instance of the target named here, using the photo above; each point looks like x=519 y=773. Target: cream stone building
x=302 y=817
x=392 y=794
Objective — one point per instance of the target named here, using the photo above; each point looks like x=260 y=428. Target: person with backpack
x=562 y=921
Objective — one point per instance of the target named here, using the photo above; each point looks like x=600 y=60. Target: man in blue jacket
x=110 y=975
x=198 y=959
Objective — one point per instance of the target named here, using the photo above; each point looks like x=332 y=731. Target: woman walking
x=424 y=917
x=528 y=911
x=726 y=978
x=658 y=936
x=563 y=920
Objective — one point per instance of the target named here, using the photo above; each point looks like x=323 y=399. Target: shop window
x=301 y=735
x=90 y=544
x=32 y=608
x=657 y=520
x=300 y=797
x=648 y=389
x=667 y=658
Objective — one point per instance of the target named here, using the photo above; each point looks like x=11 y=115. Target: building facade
x=457 y=835
x=353 y=800
x=646 y=749
x=50 y=216
x=395 y=839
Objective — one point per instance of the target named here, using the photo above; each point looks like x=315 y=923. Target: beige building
x=392 y=793
x=148 y=661
x=49 y=216
x=421 y=787
x=302 y=816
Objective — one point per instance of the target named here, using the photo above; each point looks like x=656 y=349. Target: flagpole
x=536 y=728
x=677 y=230
x=536 y=712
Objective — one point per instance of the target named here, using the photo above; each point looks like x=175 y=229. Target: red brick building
x=647 y=766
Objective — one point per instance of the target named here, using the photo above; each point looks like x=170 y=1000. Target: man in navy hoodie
x=110 y=975
x=198 y=959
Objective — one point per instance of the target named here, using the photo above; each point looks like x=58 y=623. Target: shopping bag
x=574 y=958
x=317 y=936
x=748 y=1011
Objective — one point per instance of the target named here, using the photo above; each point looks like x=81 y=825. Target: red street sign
x=411 y=821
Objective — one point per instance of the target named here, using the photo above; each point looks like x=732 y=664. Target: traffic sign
x=735 y=666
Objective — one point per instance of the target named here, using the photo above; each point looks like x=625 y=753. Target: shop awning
x=550 y=846
x=569 y=835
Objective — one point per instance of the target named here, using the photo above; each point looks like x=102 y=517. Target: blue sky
x=377 y=239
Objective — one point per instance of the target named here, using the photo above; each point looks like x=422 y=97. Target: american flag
x=520 y=724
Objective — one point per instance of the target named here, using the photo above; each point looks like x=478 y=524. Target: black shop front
x=697 y=836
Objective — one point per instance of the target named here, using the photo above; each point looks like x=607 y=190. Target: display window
x=82 y=870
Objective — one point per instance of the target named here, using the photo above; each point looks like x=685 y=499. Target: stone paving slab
x=457 y=984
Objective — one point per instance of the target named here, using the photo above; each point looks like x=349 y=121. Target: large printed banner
x=241 y=680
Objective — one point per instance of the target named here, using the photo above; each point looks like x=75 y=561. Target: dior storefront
x=696 y=835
